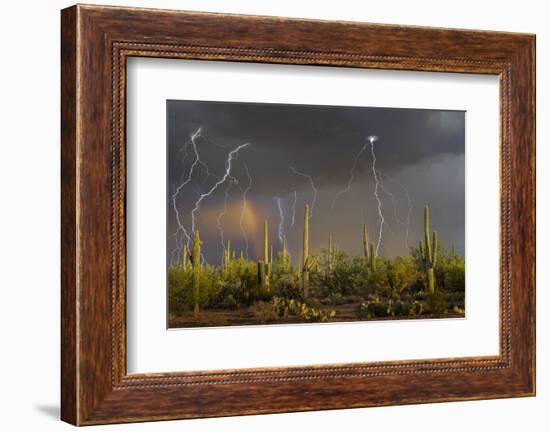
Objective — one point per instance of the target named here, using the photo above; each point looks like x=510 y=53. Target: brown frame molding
x=95 y=43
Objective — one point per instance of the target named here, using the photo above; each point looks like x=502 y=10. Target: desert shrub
x=384 y=292
x=333 y=299
x=455 y=298
x=401 y=273
x=370 y=309
x=180 y=289
x=230 y=303
x=450 y=273
x=389 y=308
x=404 y=308
x=264 y=311
x=287 y=287
x=180 y=296
x=437 y=302
x=232 y=295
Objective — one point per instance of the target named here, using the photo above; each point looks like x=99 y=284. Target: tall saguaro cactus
x=227 y=255
x=196 y=263
x=428 y=251
x=264 y=266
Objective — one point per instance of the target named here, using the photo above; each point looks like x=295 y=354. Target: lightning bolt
x=392 y=199
x=406 y=225
x=372 y=140
x=294 y=208
x=197 y=134
x=281 y=218
x=315 y=191
x=351 y=176
x=230 y=157
x=409 y=205
x=243 y=209
x=181 y=228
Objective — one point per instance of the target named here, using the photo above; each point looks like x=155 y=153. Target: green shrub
x=389 y=308
x=264 y=311
x=287 y=287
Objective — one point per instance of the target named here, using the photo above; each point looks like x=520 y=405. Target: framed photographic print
x=268 y=215
x=271 y=224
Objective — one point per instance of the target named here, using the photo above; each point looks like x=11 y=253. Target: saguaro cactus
x=265 y=272
x=372 y=257
x=428 y=251
x=227 y=255
x=184 y=261
x=196 y=262
x=261 y=274
x=365 y=241
x=368 y=249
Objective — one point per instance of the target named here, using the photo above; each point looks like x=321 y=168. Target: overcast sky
x=419 y=153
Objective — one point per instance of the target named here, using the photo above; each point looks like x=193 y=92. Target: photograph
x=290 y=214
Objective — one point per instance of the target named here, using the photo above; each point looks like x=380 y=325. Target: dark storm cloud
x=319 y=140
x=422 y=149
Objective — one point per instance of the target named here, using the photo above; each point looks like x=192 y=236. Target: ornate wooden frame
x=95 y=43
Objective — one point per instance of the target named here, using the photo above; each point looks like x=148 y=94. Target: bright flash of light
x=181 y=227
x=228 y=165
x=281 y=218
x=372 y=140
